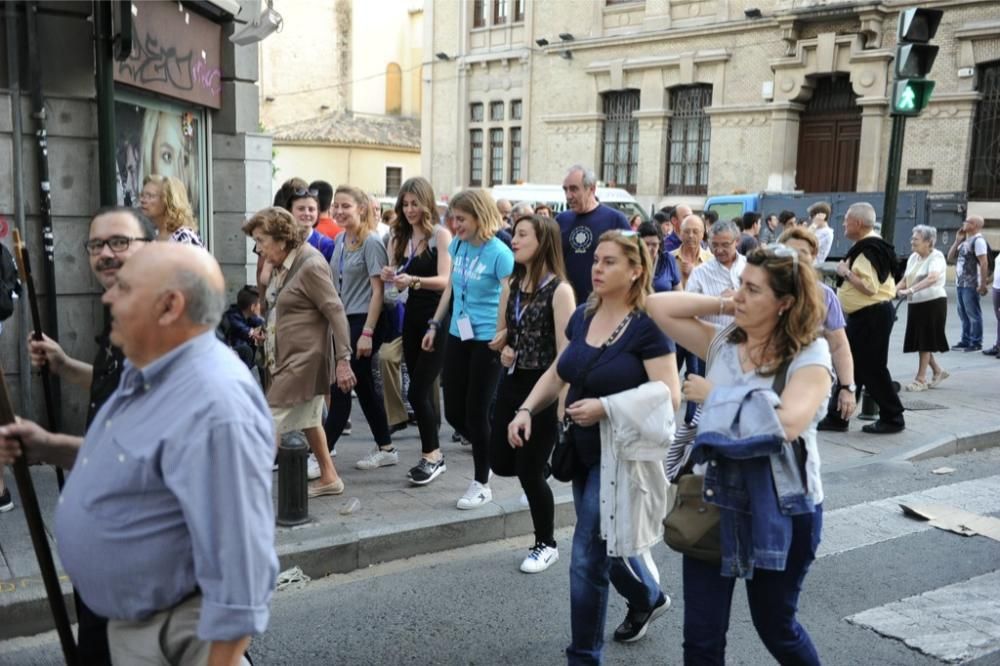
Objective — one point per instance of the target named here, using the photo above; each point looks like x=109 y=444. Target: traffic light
x=911 y=91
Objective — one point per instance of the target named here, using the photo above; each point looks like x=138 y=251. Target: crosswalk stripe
x=954 y=623
x=871 y=523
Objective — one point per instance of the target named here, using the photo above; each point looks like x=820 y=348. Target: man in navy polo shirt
x=582 y=224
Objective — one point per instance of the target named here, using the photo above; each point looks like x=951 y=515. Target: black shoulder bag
x=565 y=463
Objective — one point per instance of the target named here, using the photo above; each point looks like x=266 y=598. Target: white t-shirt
x=918 y=268
x=825 y=238
x=724 y=370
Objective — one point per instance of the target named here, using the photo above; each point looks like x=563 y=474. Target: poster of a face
x=156 y=142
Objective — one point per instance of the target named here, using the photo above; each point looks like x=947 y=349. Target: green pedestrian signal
x=910 y=96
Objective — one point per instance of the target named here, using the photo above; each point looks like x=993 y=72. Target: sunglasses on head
x=785 y=252
x=305 y=193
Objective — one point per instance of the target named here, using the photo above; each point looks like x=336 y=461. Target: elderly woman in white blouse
x=923 y=288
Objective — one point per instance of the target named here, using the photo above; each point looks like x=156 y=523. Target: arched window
x=393 y=89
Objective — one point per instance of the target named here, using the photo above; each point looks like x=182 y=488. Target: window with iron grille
x=476 y=158
x=620 y=160
x=496 y=110
x=393 y=180
x=476 y=112
x=478 y=13
x=516 y=108
x=515 y=154
x=518 y=11
x=496 y=156
x=688 y=140
x=984 y=164
x=500 y=9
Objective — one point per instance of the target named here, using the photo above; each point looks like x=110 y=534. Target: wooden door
x=829 y=138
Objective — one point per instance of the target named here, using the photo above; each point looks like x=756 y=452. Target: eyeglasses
x=117 y=244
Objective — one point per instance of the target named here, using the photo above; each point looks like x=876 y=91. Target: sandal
x=937 y=379
x=917 y=385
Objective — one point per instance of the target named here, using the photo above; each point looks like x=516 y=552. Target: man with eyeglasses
x=116 y=233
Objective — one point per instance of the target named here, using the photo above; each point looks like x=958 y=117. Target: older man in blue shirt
x=166 y=524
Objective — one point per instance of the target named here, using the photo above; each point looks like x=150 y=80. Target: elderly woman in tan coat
x=303 y=309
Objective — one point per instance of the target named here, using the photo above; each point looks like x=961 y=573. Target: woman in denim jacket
x=778 y=311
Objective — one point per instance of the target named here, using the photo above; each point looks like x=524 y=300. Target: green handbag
x=691 y=526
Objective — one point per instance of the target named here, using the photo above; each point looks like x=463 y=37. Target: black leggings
x=529 y=461
x=368 y=397
x=471 y=370
x=423 y=368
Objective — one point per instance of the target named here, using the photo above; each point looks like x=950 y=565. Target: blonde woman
x=614 y=347
x=357 y=265
x=480 y=262
x=164 y=201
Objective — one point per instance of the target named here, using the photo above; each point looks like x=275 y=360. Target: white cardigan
x=635 y=437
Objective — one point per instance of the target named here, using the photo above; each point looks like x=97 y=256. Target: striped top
x=712 y=279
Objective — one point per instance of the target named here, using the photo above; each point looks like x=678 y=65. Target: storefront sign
x=174 y=52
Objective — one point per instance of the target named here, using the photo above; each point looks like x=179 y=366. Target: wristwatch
x=853 y=388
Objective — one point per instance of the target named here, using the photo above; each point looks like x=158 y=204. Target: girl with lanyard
x=535 y=307
x=471 y=368
x=357 y=264
x=420 y=269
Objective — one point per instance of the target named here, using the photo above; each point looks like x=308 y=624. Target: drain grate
x=919 y=405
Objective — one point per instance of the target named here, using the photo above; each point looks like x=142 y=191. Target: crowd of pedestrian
x=558 y=344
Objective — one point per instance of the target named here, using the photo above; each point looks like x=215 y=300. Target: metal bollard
x=869 y=408
x=293 y=454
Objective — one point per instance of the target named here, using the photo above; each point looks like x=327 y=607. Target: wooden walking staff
x=33 y=514
x=24 y=268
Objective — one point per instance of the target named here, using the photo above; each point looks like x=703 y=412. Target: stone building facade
x=679 y=99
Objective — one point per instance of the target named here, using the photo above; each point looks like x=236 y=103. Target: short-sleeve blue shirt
x=619 y=368
x=667 y=276
x=476 y=273
x=579 y=237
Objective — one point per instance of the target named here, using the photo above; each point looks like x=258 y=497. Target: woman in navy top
x=480 y=261
x=613 y=347
x=666 y=276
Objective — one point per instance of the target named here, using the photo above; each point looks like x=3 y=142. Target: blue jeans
x=591 y=569
x=971 y=314
x=773 y=597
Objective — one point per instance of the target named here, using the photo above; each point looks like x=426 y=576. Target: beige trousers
x=390 y=362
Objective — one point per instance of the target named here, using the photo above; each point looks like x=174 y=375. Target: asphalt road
x=472 y=606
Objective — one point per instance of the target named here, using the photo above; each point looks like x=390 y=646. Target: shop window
x=689 y=139
x=620 y=160
x=476 y=158
x=393 y=180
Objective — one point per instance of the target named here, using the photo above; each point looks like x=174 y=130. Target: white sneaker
x=312 y=468
x=476 y=496
x=541 y=557
x=378 y=458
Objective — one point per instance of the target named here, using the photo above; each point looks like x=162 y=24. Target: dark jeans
x=970 y=312
x=695 y=366
x=424 y=367
x=773 y=597
x=529 y=461
x=590 y=571
x=471 y=370
x=368 y=397
x=92 y=647
x=868 y=331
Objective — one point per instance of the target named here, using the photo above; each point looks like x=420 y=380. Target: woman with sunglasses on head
x=778 y=312
x=620 y=369
x=420 y=265
x=304 y=206
x=357 y=265
x=480 y=261
x=534 y=309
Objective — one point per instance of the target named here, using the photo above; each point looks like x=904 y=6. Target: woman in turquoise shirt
x=480 y=262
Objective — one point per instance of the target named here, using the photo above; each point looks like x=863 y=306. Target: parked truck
x=943 y=211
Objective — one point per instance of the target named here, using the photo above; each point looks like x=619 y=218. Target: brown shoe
x=334 y=488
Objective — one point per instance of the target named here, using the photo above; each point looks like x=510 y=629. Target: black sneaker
x=6 y=503
x=455 y=437
x=959 y=347
x=992 y=351
x=829 y=424
x=634 y=626
x=972 y=348
x=426 y=471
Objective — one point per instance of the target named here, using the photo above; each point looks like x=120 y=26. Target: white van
x=553 y=196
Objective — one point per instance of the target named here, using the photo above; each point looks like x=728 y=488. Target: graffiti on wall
x=175 y=53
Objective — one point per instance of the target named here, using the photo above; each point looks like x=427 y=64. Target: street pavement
x=395 y=521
